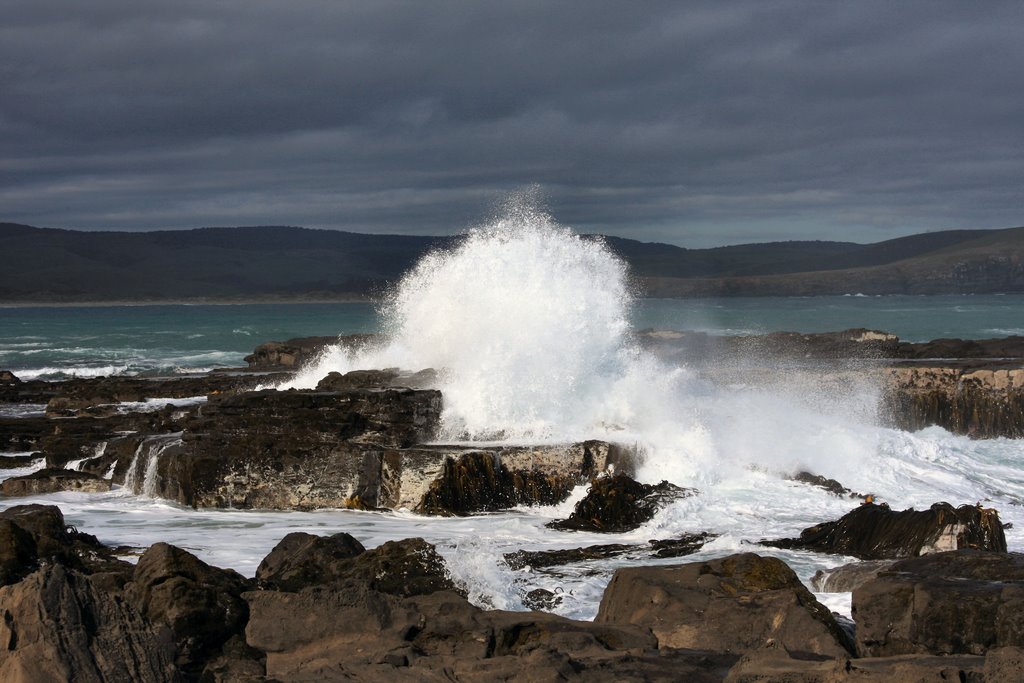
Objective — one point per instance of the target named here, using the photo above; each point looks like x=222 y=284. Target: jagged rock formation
x=327 y=609
x=981 y=402
x=874 y=532
x=618 y=503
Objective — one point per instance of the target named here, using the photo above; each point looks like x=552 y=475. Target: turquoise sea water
x=54 y=342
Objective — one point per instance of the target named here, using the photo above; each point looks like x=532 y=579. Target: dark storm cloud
x=694 y=123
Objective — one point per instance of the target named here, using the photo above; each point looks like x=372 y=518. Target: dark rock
x=981 y=402
x=474 y=480
x=289 y=450
x=830 y=485
x=17 y=552
x=874 y=532
x=618 y=503
x=846 y=578
x=58 y=625
x=8 y=377
x=541 y=599
x=301 y=560
x=734 y=604
x=294 y=353
x=541 y=559
x=686 y=544
x=403 y=568
x=200 y=605
x=56 y=542
x=9 y=462
x=963 y=601
x=357 y=379
x=53 y=480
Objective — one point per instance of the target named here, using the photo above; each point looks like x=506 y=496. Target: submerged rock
x=947 y=603
x=618 y=503
x=874 y=532
x=734 y=604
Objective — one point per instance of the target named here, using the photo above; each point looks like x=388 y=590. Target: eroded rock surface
x=874 y=532
x=734 y=604
x=962 y=602
x=618 y=503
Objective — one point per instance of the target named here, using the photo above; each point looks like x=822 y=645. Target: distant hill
x=281 y=262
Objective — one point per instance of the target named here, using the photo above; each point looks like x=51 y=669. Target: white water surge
x=529 y=325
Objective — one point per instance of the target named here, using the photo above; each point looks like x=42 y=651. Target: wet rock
x=541 y=559
x=961 y=602
x=830 y=485
x=846 y=578
x=982 y=402
x=734 y=604
x=102 y=396
x=9 y=462
x=473 y=480
x=687 y=544
x=874 y=532
x=53 y=480
x=294 y=353
x=618 y=503
x=200 y=605
x=357 y=379
x=60 y=625
x=289 y=450
x=542 y=600
x=8 y=377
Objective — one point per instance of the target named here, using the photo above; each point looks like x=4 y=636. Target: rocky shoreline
x=327 y=609
x=324 y=608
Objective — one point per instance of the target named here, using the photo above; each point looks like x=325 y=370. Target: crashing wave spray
x=527 y=322
x=529 y=326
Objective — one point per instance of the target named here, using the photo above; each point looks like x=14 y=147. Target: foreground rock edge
x=324 y=608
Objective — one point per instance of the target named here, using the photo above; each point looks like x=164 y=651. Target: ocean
x=533 y=327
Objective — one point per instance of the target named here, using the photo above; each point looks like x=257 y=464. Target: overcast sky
x=695 y=123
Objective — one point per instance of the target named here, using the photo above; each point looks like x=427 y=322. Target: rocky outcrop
x=734 y=604
x=949 y=603
x=53 y=480
x=498 y=478
x=874 y=532
x=982 y=402
x=618 y=503
x=200 y=606
x=670 y=547
x=294 y=353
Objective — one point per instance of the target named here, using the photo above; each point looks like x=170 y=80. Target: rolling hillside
x=279 y=262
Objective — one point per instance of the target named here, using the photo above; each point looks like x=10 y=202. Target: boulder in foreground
x=964 y=602
x=734 y=604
